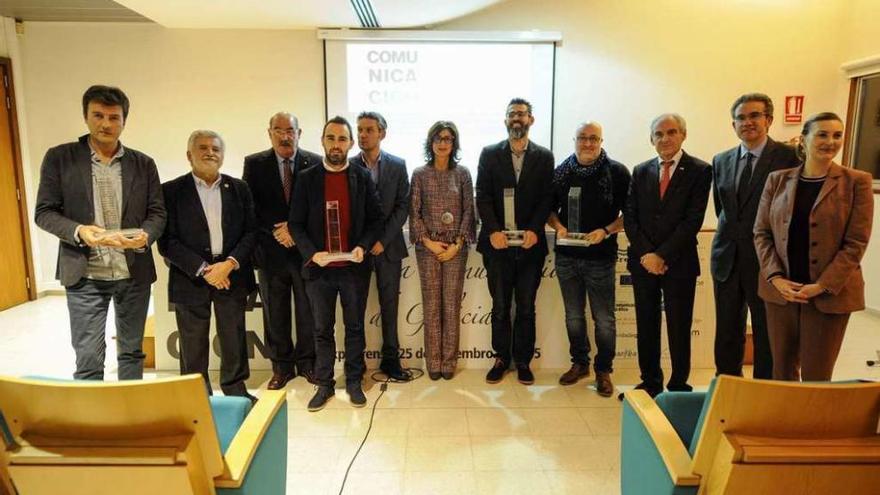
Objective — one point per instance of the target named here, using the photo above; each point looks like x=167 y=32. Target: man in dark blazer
x=389 y=174
x=208 y=244
x=356 y=227
x=739 y=175
x=514 y=273
x=271 y=176
x=87 y=188
x=664 y=212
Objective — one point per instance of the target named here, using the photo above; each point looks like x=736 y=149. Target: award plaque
x=574 y=237
x=515 y=237
x=127 y=233
x=334 y=234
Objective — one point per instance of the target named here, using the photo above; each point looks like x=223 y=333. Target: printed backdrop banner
x=475 y=348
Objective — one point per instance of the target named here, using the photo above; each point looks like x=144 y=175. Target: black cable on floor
x=383 y=387
x=414 y=374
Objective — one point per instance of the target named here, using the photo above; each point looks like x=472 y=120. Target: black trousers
x=734 y=298
x=347 y=283
x=276 y=286
x=675 y=296
x=513 y=277
x=388 y=287
x=194 y=322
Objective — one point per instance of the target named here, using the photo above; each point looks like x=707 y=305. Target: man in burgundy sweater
x=336 y=211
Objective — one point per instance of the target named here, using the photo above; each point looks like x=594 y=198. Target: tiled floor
x=458 y=437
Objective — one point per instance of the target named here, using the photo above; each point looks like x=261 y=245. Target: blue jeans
x=579 y=279
x=88 y=302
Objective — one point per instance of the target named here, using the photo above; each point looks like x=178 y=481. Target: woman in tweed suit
x=441 y=225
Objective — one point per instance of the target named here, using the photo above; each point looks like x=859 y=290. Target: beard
x=517 y=132
x=336 y=158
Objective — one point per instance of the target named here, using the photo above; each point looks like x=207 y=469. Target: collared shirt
x=281 y=165
x=212 y=205
x=675 y=159
x=741 y=160
x=518 y=159
x=107 y=263
x=374 y=167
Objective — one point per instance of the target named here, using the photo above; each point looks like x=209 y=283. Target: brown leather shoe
x=279 y=380
x=575 y=373
x=603 y=384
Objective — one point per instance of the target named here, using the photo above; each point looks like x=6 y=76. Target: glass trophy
x=334 y=234
x=515 y=237
x=127 y=233
x=574 y=237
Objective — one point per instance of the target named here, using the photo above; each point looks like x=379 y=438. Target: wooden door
x=15 y=281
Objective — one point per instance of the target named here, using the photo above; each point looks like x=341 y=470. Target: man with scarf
x=588 y=271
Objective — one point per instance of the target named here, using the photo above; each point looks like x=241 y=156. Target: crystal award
x=334 y=234
x=574 y=237
x=514 y=237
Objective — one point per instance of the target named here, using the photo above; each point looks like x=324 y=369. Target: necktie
x=287 y=179
x=664 y=177
x=742 y=189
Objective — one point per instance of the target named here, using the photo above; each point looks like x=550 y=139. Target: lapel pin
x=226 y=185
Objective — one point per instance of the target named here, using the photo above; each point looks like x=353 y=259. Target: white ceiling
x=299 y=14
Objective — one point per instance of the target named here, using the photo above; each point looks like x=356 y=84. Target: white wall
x=621 y=62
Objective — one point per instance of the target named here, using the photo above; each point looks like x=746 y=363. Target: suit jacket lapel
x=229 y=207
x=830 y=183
x=789 y=189
x=727 y=181
x=84 y=171
x=506 y=161
x=128 y=173
x=678 y=177
x=274 y=178
x=654 y=180
x=762 y=168
x=192 y=203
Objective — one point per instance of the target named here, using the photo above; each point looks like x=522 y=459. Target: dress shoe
x=309 y=375
x=603 y=384
x=524 y=374
x=574 y=374
x=496 y=374
x=279 y=380
x=447 y=375
x=434 y=375
x=652 y=391
x=250 y=398
x=321 y=398
x=356 y=394
x=679 y=387
x=395 y=372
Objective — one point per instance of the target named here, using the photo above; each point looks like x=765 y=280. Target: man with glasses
x=334 y=220
x=589 y=194
x=739 y=176
x=514 y=194
x=271 y=176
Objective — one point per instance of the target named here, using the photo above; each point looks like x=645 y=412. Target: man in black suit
x=664 y=212
x=90 y=189
x=271 y=176
x=739 y=175
x=208 y=244
x=514 y=273
x=389 y=174
x=336 y=212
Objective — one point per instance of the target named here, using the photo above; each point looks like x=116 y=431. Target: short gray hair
x=286 y=115
x=674 y=116
x=200 y=133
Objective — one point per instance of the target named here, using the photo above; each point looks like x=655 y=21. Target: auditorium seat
x=753 y=436
x=139 y=437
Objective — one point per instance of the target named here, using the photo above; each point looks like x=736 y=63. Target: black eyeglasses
x=443 y=139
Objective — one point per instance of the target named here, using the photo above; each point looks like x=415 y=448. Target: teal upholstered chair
x=139 y=437
x=754 y=437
